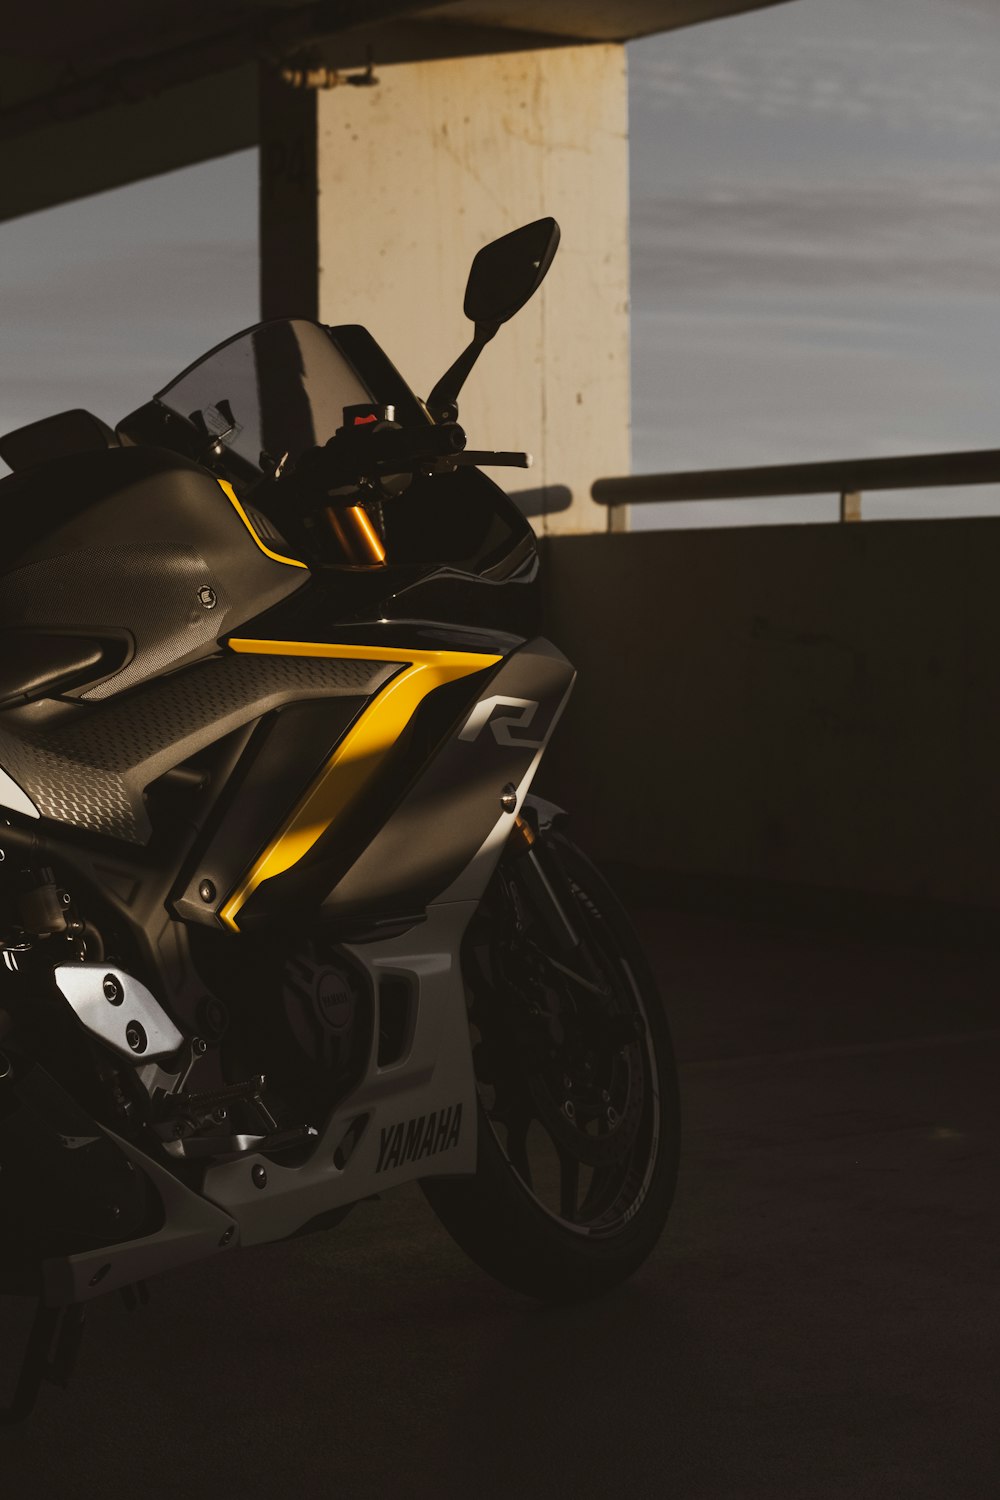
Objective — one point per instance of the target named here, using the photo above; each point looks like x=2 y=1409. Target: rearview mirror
x=508 y=272
x=503 y=276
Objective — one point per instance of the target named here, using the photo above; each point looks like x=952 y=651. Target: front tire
x=578 y=1111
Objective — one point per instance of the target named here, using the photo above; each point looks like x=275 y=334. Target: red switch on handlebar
x=368 y=415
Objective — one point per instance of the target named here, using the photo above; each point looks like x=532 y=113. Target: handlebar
x=362 y=456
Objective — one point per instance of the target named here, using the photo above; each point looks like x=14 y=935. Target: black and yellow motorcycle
x=281 y=924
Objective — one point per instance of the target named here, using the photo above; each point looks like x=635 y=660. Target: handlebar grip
x=389 y=449
x=483 y=458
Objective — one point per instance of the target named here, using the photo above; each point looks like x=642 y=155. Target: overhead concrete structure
x=93 y=96
x=481 y=114
x=155 y=86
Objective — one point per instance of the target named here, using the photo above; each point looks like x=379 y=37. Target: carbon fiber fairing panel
x=153 y=588
x=91 y=769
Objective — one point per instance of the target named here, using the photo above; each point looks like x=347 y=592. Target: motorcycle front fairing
x=355 y=753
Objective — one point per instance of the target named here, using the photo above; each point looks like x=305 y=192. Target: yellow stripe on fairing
x=358 y=755
x=228 y=491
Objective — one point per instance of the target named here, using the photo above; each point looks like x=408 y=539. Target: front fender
x=544 y=814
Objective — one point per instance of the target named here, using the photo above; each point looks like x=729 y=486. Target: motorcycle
x=282 y=924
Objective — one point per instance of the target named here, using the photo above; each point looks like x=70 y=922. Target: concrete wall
x=813 y=704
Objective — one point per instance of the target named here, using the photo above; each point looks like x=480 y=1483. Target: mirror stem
x=442 y=403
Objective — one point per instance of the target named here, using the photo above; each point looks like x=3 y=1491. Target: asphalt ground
x=821 y=1319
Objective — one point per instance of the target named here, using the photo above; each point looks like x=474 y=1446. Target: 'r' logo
x=504 y=725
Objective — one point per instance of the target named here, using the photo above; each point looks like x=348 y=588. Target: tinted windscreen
x=278 y=388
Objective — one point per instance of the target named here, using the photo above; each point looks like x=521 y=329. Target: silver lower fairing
x=413 y=1118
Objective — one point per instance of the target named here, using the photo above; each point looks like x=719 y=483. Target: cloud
x=915 y=231
x=924 y=66
x=132 y=291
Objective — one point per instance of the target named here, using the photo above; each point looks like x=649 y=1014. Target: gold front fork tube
x=359 y=541
x=526 y=831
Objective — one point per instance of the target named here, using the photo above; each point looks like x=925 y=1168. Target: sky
x=815 y=234
x=816 y=244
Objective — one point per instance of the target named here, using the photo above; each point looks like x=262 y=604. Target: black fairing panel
x=136 y=545
x=67 y=432
x=416 y=832
x=461 y=520
x=375 y=369
x=67 y=1186
x=288 y=749
x=447 y=814
x=459 y=553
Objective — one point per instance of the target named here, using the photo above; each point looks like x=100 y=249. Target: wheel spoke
x=569 y=1185
x=559 y=1029
x=518 y=1122
x=578 y=979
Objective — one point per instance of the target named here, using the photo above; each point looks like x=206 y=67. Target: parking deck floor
x=820 y=1321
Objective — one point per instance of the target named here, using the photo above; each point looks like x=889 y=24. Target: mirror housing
x=508 y=272
x=504 y=276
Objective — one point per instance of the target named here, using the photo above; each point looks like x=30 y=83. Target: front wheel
x=578 y=1114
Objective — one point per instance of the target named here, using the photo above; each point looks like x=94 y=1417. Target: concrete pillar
x=374 y=201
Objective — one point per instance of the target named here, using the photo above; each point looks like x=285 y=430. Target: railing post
x=850 y=505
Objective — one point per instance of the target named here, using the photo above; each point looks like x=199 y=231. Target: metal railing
x=849 y=478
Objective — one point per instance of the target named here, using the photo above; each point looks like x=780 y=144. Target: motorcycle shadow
x=374 y=1361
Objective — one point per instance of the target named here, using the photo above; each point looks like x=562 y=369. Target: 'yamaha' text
x=415 y=1139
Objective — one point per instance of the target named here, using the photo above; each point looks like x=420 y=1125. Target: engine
x=300 y=1020
x=276 y=1039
